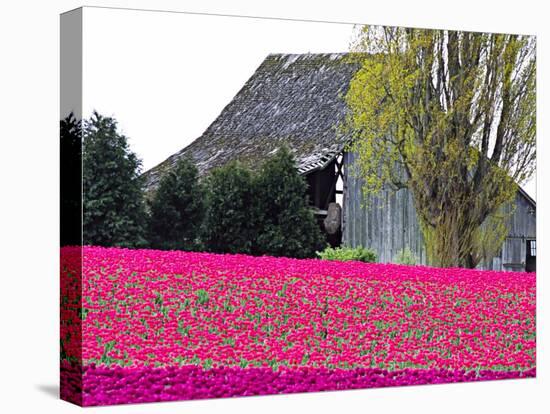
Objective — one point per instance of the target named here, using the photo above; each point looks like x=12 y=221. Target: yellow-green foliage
x=345 y=254
x=451 y=116
x=406 y=257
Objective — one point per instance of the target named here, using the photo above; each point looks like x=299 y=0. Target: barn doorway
x=325 y=190
x=531 y=257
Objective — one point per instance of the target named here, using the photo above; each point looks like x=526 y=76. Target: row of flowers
x=105 y=386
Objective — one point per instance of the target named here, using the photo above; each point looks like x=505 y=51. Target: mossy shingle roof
x=291 y=99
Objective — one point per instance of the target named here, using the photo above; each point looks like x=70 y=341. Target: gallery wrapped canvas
x=330 y=207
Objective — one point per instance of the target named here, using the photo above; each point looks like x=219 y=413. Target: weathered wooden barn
x=297 y=100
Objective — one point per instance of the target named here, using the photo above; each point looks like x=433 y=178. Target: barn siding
x=522 y=227
x=388 y=223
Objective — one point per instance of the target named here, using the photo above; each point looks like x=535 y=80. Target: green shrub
x=406 y=257
x=261 y=213
x=345 y=254
x=113 y=207
x=286 y=224
x=177 y=209
x=230 y=225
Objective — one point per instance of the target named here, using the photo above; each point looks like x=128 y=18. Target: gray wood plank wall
x=388 y=223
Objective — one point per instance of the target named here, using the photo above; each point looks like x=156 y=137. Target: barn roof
x=292 y=99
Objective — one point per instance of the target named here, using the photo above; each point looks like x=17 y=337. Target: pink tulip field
x=147 y=325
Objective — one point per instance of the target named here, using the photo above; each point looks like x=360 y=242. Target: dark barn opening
x=320 y=183
x=322 y=191
x=531 y=256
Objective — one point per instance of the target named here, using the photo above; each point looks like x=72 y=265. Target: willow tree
x=451 y=116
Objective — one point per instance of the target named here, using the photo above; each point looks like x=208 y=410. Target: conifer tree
x=177 y=209
x=113 y=207
x=287 y=226
x=231 y=223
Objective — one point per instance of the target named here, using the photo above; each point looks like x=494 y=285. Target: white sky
x=166 y=76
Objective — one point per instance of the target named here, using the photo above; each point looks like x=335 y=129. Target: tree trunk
x=451 y=241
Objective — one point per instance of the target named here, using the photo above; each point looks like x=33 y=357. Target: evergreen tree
x=177 y=209
x=113 y=208
x=287 y=226
x=230 y=225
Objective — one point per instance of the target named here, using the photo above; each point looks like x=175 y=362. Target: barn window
x=533 y=248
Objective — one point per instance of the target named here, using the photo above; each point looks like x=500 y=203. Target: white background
x=29 y=113
x=165 y=77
